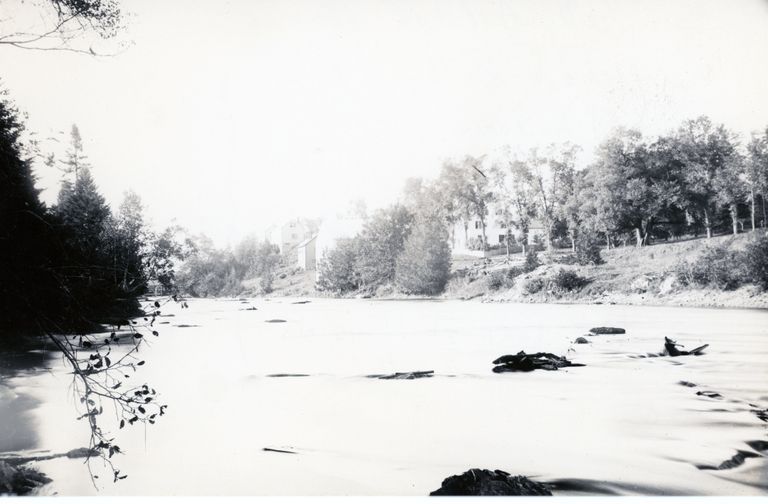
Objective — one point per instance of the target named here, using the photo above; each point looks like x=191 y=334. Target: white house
x=307 y=254
x=290 y=235
x=467 y=235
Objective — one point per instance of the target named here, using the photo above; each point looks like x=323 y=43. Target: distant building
x=307 y=254
x=466 y=237
x=290 y=235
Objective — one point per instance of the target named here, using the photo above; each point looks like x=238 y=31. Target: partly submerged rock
x=275 y=321
x=486 y=482
x=528 y=362
x=410 y=375
x=607 y=330
x=581 y=340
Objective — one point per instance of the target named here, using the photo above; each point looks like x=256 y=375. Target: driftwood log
x=485 y=482
x=410 y=375
x=670 y=347
x=528 y=362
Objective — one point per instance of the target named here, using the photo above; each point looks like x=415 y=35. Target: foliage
x=424 y=265
x=588 y=250
x=531 y=260
x=755 y=262
x=567 y=280
x=533 y=285
x=717 y=267
x=337 y=271
x=380 y=243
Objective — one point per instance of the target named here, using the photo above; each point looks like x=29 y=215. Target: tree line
x=699 y=179
x=71 y=265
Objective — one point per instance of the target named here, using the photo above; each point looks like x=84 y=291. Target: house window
x=502 y=238
x=503 y=225
x=477 y=224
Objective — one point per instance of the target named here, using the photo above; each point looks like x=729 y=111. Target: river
x=620 y=425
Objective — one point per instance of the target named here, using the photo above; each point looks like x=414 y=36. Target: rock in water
x=528 y=362
x=485 y=482
x=581 y=340
x=607 y=330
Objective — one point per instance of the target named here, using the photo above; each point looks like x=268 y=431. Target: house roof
x=306 y=242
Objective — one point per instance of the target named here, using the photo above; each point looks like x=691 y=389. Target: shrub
x=514 y=272
x=588 y=250
x=531 y=260
x=755 y=262
x=717 y=267
x=533 y=285
x=337 y=271
x=566 y=280
x=497 y=279
x=424 y=265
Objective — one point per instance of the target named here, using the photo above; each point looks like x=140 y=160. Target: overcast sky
x=230 y=115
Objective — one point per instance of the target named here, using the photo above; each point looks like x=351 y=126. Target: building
x=307 y=254
x=290 y=235
x=466 y=237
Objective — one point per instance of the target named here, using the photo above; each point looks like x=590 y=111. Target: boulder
x=641 y=283
x=581 y=340
x=529 y=362
x=607 y=330
x=486 y=482
x=668 y=285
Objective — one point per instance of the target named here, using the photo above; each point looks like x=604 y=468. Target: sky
x=229 y=116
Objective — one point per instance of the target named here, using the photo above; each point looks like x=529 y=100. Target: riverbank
x=629 y=276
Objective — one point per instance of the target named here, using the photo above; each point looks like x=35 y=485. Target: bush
x=337 y=271
x=497 y=279
x=717 y=267
x=755 y=262
x=514 y=272
x=531 y=260
x=566 y=280
x=424 y=265
x=588 y=250
x=533 y=285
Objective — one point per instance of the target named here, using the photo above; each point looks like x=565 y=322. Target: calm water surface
x=619 y=425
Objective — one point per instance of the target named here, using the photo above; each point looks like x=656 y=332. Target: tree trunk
x=638 y=237
x=752 y=198
x=707 y=223
x=762 y=197
x=735 y=218
x=485 y=239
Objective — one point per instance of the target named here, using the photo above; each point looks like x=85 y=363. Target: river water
x=620 y=425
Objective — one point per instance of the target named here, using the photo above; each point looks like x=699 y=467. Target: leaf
x=140 y=363
x=155 y=333
x=138 y=335
x=141 y=409
x=122 y=423
x=157 y=304
x=109 y=362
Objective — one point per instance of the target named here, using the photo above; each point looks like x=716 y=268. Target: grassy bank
x=630 y=275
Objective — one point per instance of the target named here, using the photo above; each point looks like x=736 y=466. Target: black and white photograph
x=383 y=248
